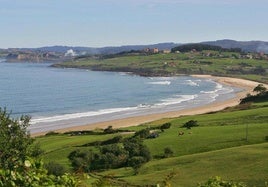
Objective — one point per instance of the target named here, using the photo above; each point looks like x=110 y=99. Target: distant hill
x=247 y=46
x=201 y=47
x=103 y=50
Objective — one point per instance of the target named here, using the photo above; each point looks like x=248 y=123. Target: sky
x=99 y=23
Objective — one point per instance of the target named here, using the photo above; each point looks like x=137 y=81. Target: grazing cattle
x=181 y=133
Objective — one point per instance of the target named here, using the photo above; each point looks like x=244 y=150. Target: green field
x=216 y=63
x=217 y=147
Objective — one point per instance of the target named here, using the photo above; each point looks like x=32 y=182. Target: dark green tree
x=81 y=160
x=165 y=126
x=55 y=168
x=168 y=152
x=190 y=124
x=144 y=133
x=136 y=162
x=260 y=89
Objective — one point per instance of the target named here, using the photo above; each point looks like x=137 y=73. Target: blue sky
x=97 y=23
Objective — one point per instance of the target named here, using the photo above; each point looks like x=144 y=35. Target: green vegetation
x=202 y=47
x=19 y=162
x=231 y=143
x=251 y=66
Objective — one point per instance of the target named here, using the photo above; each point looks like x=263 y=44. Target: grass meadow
x=217 y=147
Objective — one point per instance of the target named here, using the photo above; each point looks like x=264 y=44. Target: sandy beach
x=246 y=85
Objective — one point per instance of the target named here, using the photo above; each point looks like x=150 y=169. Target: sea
x=57 y=98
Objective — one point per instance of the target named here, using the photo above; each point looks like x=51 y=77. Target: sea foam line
x=165 y=102
x=160 y=82
x=191 y=83
x=178 y=100
x=80 y=115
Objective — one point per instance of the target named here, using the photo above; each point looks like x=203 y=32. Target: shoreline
x=246 y=85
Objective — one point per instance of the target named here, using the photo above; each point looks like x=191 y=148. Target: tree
x=260 y=89
x=81 y=160
x=165 y=126
x=18 y=167
x=190 y=124
x=55 y=168
x=15 y=140
x=136 y=162
x=143 y=133
x=168 y=152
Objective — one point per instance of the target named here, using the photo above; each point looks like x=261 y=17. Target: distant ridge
x=246 y=46
x=102 y=50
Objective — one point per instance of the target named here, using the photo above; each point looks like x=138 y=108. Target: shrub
x=54 y=168
x=260 y=89
x=190 y=124
x=218 y=182
x=109 y=130
x=168 y=152
x=50 y=133
x=81 y=160
x=144 y=133
x=17 y=165
x=165 y=126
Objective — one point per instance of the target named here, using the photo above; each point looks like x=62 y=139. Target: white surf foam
x=79 y=115
x=176 y=100
x=160 y=82
x=191 y=83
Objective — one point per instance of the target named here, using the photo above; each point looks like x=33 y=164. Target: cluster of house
x=156 y=50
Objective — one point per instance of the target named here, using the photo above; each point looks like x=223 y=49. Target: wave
x=165 y=102
x=160 y=82
x=219 y=90
x=191 y=83
x=80 y=115
x=177 y=100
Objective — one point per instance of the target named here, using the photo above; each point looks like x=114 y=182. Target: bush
x=190 y=124
x=168 y=152
x=218 y=182
x=144 y=133
x=17 y=165
x=165 y=126
x=54 y=168
x=81 y=160
x=109 y=130
x=50 y=133
x=136 y=162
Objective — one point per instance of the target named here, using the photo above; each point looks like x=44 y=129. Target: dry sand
x=246 y=85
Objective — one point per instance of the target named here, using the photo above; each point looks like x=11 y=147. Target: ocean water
x=59 y=98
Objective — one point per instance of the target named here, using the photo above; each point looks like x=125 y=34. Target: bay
x=59 y=98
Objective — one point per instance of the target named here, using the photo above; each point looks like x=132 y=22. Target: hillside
x=231 y=144
x=251 y=66
x=247 y=46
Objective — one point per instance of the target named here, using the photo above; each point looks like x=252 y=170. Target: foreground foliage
x=19 y=165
